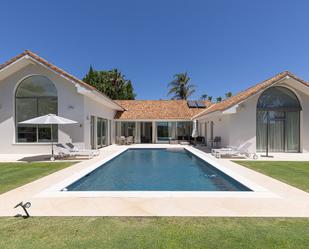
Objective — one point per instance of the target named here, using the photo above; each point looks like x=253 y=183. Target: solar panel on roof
x=191 y=104
x=200 y=104
x=196 y=104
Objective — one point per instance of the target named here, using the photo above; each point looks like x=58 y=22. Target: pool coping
x=283 y=200
x=257 y=191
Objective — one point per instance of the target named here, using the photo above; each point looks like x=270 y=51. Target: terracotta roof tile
x=227 y=103
x=157 y=109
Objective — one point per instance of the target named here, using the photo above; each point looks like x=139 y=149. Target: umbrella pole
x=52 y=141
x=267 y=127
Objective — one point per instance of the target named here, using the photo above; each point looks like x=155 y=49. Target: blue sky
x=223 y=45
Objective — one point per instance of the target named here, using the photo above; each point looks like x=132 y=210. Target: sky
x=223 y=45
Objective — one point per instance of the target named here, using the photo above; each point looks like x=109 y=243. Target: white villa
x=274 y=112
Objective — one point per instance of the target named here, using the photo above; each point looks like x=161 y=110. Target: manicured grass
x=13 y=175
x=293 y=173
x=114 y=232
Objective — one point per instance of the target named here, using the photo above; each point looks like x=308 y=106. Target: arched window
x=35 y=96
x=278 y=98
x=278 y=125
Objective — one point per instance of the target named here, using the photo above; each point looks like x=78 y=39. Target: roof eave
x=92 y=94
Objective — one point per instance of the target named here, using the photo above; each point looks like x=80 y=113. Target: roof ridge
x=157 y=110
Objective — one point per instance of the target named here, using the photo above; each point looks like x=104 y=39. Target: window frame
x=260 y=109
x=36 y=98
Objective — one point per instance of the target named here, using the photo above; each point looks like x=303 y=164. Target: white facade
x=75 y=102
x=237 y=125
x=95 y=114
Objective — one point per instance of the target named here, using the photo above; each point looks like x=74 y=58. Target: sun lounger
x=242 y=150
x=74 y=148
x=63 y=151
x=129 y=140
x=122 y=140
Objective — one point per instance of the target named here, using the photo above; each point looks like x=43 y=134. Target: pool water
x=156 y=170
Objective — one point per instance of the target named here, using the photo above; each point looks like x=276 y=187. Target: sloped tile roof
x=236 y=99
x=49 y=65
x=54 y=68
x=157 y=109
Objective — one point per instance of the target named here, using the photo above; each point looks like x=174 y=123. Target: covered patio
x=174 y=132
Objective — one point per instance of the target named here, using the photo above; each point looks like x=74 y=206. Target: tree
x=112 y=83
x=204 y=96
x=228 y=95
x=210 y=98
x=129 y=90
x=219 y=99
x=180 y=87
x=92 y=77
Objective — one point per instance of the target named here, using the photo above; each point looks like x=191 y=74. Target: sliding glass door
x=101 y=132
x=292 y=131
x=184 y=130
x=278 y=130
x=146 y=132
x=92 y=133
x=163 y=131
x=166 y=131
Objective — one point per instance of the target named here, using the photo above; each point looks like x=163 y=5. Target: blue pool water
x=156 y=170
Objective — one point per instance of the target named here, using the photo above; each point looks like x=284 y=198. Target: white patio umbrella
x=49 y=119
x=194 y=131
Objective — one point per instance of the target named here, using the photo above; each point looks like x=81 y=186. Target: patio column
x=154 y=132
x=138 y=132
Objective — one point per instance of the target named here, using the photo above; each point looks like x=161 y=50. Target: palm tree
x=228 y=95
x=210 y=98
x=116 y=78
x=204 y=96
x=180 y=87
x=219 y=99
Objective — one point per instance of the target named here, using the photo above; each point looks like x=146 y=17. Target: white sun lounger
x=129 y=140
x=62 y=151
x=242 y=150
x=74 y=148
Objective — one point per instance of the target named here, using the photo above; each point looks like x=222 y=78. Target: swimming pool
x=156 y=170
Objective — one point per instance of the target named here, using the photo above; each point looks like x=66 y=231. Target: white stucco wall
x=220 y=128
x=71 y=105
x=94 y=108
x=242 y=126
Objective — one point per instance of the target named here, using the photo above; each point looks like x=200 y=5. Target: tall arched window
x=278 y=124
x=35 y=96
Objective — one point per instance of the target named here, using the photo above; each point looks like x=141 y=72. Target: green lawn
x=13 y=175
x=113 y=232
x=293 y=173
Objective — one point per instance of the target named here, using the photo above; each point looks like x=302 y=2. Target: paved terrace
x=277 y=199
